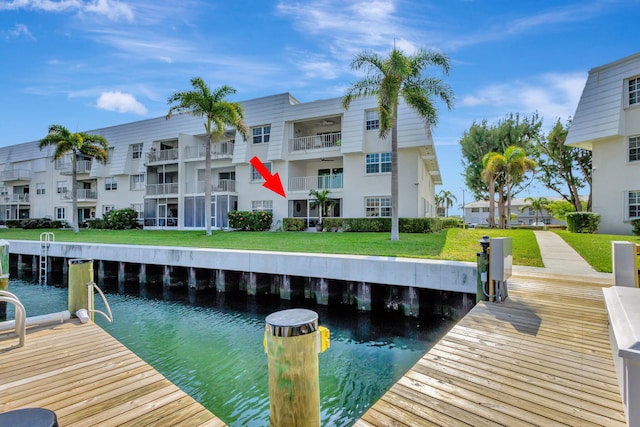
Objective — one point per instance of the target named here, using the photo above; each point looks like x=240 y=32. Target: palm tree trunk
x=207 y=185
x=74 y=193
x=395 y=227
x=508 y=219
x=492 y=205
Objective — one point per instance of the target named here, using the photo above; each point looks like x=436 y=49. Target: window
x=107 y=208
x=634 y=91
x=255 y=176
x=60 y=214
x=136 y=151
x=378 y=163
x=377 y=206
x=634 y=204
x=139 y=208
x=634 y=148
x=485 y=209
x=371 y=119
x=40 y=188
x=262 y=205
x=4 y=191
x=61 y=187
x=475 y=210
x=261 y=134
x=137 y=182
x=111 y=183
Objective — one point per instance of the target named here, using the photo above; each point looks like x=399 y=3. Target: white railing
x=14 y=198
x=163 y=155
x=15 y=175
x=82 y=194
x=321 y=182
x=315 y=142
x=222 y=185
x=82 y=166
x=162 y=189
x=219 y=150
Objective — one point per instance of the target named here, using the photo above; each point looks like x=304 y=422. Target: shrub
x=250 y=221
x=583 y=222
x=96 y=224
x=332 y=224
x=293 y=224
x=367 y=224
x=451 y=222
x=636 y=226
x=420 y=225
x=122 y=219
x=13 y=223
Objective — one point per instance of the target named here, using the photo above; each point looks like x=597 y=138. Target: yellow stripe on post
x=80 y=275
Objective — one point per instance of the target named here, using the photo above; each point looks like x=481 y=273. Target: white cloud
x=553 y=95
x=120 y=102
x=112 y=9
x=18 y=31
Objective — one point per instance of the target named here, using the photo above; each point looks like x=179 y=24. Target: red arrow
x=271 y=182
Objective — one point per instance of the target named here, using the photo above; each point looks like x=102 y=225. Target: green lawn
x=595 y=248
x=452 y=244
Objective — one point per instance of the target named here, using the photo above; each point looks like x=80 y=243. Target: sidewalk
x=560 y=258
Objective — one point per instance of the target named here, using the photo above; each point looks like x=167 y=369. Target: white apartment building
x=156 y=167
x=607 y=122
x=477 y=213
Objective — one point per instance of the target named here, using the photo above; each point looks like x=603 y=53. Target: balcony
x=14 y=198
x=321 y=182
x=327 y=141
x=219 y=150
x=84 y=195
x=82 y=166
x=15 y=175
x=162 y=189
x=220 y=186
x=155 y=156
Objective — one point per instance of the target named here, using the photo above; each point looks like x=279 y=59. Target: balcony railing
x=82 y=166
x=222 y=185
x=162 y=189
x=315 y=142
x=219 y=150
x=84 y=194
x=321 y=182
x=14 y=198
x=154 y=156
x=15 y=175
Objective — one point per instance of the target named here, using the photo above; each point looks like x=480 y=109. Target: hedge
x=250 y=221
x=407 y=225
x=293 y=224
x=31 y=223
x=636 y=226
x=582 y=222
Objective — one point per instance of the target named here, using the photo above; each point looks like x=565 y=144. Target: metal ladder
x=45 y=239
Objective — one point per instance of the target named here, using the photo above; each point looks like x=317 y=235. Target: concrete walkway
x=560 y=258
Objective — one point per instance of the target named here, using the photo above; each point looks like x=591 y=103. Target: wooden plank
x=542 y=357
x=89 y=378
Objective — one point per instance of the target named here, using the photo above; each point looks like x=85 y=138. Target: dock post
x=292 y=345
x=252 y=284
x=142 y=275
x=220 y=282
x=121 y=276
x=285 y=287
x=166 y=276
x=363 y=296
x=100 y=273
x=411 y=303
x=20 y=267
x=80 y=275
x=321 y=289
x=191 y=281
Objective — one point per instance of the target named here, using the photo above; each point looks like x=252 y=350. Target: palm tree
x=537 y=204
x=322 y=201
x=397 y=76
x=492 y=167
x=516 y=165
x=65 y=142
x=220 y=114
x=447 y=199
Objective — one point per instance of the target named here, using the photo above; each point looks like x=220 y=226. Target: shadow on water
x=210 y=345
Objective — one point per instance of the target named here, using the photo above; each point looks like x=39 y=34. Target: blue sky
x=91 y=64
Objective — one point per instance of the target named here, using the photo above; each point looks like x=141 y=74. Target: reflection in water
x=211 y=347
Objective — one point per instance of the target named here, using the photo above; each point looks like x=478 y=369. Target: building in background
x=477 y=213
x=607 y=122
x=156 y=167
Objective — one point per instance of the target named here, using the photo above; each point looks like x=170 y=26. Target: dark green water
x=211 y=347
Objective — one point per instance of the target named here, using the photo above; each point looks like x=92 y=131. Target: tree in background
x=517 y=164
x=446 y=199
x=65 y=142
x=560 y=208
x=538 y=204
x=220 y=114
x=563 y=169
x=400 y=75
x=322 y=201
x=492 y=175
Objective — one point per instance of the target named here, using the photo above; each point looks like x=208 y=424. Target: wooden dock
x=88 y=378
x=542 y=358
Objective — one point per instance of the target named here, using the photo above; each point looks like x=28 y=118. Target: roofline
x=599 y=68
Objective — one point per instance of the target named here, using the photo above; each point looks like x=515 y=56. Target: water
x=212 y=348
